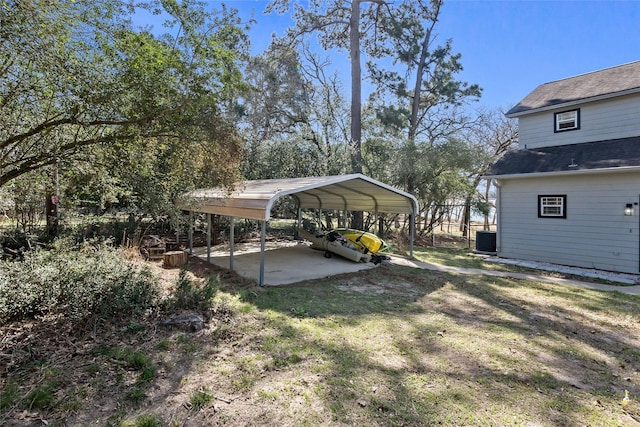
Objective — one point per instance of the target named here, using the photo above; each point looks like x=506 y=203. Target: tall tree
x=492 y=135
x=295 y=109
x=419 y=92
x=275 y=105
x=339 y=25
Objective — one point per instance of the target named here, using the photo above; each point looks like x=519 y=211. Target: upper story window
x=552 y=206
x=567 y=120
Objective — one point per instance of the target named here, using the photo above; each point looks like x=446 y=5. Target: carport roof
x=254 y=199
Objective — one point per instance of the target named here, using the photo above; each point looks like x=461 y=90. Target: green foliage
x=132 y=359
x=27 y=199
x=94 y=280
x=293 y=116
x=291 y=157
x=136 y=361
x=164 y=345
x=9 y=396
x=134 y=328
x=193 y=296
x=136 y=394
x=437 y=173
x=200 y=398
x=126 y=116
x=43 y=397
x=145 y=420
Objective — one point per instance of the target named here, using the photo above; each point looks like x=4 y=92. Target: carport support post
x=190 y=233
x=263 y=238
x=231 y=241
x=412 y=233
x=296 y=234
x=208 y=237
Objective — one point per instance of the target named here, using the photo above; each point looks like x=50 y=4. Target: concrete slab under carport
x=285 y=262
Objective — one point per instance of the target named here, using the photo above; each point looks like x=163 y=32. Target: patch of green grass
x=473 y=345
x=269 y=396
x=144 y=420
x=244 y=382
x=200 y=398
x=186 y=343
x=43 y=397
x=74 y=400
x=464 y=258
x=148 y=373
x=93 y=368
x=9 y=396
x=134 y=328
x=136 y=394
x=451 y=257
x=133 y=360
x=164 y=345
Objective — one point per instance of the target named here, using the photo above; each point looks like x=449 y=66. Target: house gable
x=598 y=106
x=611 y=82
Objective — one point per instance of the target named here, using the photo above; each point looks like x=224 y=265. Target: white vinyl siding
x=599 y=121
x=595 y=234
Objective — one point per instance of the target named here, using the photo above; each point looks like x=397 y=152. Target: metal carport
x=254 y=200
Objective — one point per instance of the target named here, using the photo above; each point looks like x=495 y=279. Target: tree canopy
x=134 y=115
x=78 y=77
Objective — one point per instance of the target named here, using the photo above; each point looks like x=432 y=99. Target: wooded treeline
x=103 y=113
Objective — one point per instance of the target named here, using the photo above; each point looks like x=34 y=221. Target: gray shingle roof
x=615 y=153
x=607 y=82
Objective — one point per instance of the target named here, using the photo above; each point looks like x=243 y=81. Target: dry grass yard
x=391 y=346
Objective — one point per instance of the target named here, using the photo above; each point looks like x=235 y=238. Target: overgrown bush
x=193 y=296
x=92 y=280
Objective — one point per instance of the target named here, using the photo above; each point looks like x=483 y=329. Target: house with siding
x=569 y=193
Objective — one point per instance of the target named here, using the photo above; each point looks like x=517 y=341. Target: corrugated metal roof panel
x=254 y=199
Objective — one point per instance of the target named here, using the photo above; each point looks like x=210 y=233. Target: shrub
x=193 y=296
x=93 y=280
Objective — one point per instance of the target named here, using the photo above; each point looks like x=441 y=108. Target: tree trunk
x=356 y=86
x=52 y=215
x=466 y=217
x=417 y=92
x=356 y=100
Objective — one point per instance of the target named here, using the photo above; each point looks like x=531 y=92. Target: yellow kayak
x=364 y=241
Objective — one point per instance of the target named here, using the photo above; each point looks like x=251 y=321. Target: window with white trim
x=552 y=206
x=567 y=120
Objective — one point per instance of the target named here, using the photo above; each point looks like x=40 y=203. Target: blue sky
x=510 y=47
